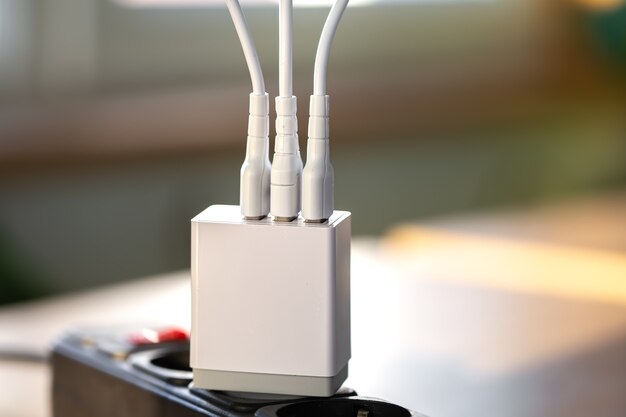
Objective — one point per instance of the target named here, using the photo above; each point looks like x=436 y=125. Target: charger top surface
x=232 y=215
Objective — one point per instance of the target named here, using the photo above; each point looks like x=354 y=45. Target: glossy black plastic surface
x=156 y=381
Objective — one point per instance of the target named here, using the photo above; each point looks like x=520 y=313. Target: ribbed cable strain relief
x=287 y=163
x=259 y=104
x=319 y=105
x=319 y=121
x=318 y=174
x=258 y=120
x=286 y=120
x=254 y=189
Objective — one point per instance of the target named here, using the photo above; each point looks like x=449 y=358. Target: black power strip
x=105 y=373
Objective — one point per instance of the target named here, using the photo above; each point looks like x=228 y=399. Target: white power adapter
x=271 y=295
x=270 y=303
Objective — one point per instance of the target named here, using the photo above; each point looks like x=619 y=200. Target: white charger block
x=270 y=303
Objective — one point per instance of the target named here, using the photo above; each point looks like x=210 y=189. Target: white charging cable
x=254 y=191
x=318 y=175
x=287 y=163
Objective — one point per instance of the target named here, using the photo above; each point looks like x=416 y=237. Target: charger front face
x=270 y=303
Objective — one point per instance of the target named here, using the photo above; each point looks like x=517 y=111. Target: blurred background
x=480 y=145
x=122 y=119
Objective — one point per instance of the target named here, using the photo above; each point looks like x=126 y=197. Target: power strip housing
x=270 y=303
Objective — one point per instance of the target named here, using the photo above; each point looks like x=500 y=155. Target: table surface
x=475 y=317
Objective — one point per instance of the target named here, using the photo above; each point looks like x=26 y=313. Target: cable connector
x=254 y=190
x=318 y=174
x=287 y=163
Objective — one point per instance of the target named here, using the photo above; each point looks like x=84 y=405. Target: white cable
x=318 y=175
x=323 y=47
x=249 y=51
x=254 y=186
x=285 y=48
x=286 y=175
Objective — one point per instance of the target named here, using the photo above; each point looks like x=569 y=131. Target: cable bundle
x=284 y=188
